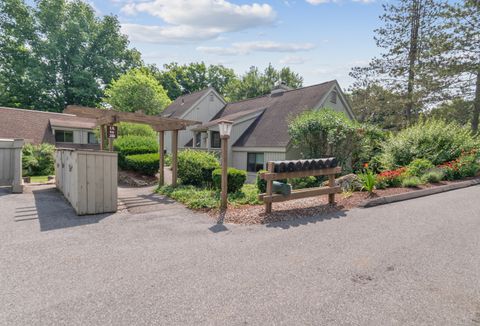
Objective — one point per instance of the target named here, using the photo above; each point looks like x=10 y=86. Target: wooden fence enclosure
x=88 y=180
x=281 y=170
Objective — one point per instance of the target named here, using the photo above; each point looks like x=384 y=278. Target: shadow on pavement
x=53 y=211
x=306 y=220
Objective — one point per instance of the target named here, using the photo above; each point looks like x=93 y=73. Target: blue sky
x=320 y=39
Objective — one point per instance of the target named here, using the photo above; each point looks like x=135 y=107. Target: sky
x=319 y=39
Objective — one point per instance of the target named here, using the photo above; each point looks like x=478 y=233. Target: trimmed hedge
x=132 y=145
x=146 y=164
x=235 y=179
x=196 y=167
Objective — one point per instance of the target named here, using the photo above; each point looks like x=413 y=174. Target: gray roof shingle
x=183 y=103
x=271 y=128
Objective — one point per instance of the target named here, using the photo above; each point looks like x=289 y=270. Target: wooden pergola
x=105 y=118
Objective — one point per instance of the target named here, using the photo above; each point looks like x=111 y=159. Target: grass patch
x=39 y=179
x=198 y=198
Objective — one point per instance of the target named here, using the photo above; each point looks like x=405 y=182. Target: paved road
x=409 y=263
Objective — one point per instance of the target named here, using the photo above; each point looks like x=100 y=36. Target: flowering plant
x=392 y=178
x=368 y=179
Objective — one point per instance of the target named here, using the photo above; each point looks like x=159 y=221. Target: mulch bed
x=306 y=207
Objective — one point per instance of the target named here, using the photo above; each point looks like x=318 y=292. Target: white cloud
x=243 y=48
x=199 y=19
x=317 y=2
x=292 y=60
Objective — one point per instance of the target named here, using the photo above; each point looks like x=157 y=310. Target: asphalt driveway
x=409 y=263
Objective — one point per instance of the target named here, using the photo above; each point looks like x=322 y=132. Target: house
x=59 y=129
x=260 y=125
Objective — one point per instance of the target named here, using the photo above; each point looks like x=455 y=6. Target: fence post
x=331 y=183
x=268 y=205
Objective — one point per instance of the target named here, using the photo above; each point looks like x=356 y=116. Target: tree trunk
x=412 y=56
x=476 y=105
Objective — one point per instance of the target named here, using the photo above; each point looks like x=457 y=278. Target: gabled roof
x=34 y=125
x=231 y=117
x=270 y=129
x=183 y=103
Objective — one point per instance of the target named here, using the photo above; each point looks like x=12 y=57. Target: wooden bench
x=268 y=198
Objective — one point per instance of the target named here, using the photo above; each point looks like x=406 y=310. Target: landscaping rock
x=349 y=182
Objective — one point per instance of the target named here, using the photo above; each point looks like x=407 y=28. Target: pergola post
x=102 y=136
x=161 y=161
x=174 y=156
x=110 y=143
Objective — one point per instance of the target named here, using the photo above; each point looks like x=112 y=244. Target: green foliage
x=146 y=164
x=256 y=83
x=368 y=179
x=411 y=182
x=433 y=176
x=465 y=166
x=306 y=182
x=235 y=179
x=196 y=167
x=131 y=145
x=38 y=160
x=261 y=184
x=137 y=90
x=391 y=178
x=325 y=132
x=201 y=198
x=419 y=166
x=369 y=147
x=458 y=110
x=56 y=53
x=135 y=129
x=435 y=140
x=191 y=196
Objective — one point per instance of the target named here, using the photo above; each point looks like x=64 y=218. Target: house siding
x=239 y=159
x=203 y=111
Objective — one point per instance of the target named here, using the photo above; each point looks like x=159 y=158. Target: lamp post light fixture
x=225 y=128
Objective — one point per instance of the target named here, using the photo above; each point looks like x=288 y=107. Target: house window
x=63 y=136
x=92 y=138
x=333 y=97
x=215 y=143
x=255 y=162
x=198 y=139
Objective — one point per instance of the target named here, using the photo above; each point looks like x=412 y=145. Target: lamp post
x=225 y=127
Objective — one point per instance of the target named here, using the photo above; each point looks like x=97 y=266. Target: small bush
x=370 y=140
x=419 y=166
x=368 y=179
x=464 y=166
x=235 y=179
x=306 y=182
x=38 y=160
x=146 y=164
x=132 y=145
x=192 y=197
x=261 y=184
x=433 y=176
x=196 y=167
x=411 y=182
x=248 y=195
x=435 y=140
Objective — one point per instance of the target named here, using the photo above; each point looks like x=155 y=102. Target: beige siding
x=202 y=111
x=339 y=106
x=11 y=164
x=80 y=136
x=239 y=160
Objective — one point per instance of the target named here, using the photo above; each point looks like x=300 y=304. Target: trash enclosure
x=88 y=180
x=11 y=164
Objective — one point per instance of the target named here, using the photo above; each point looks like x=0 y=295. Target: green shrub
x=464 y=166
x=135 y=129
x=235 y=179
x=306 y=182
x=369 y=148
x=146 y=164
x=435 y=140
x=322 y=133
x=433 y=176
x=196 y=167
x=192 y=197
x=132 y=145
x=411 y=182
x=38 y=160
x=248 y=195
x=419 y=166
x=261 y=184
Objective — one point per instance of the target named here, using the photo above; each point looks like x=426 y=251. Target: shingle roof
x=271 y=128
x=34 y=125
x=183 y=103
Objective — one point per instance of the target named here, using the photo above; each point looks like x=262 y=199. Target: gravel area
x=306 y=207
